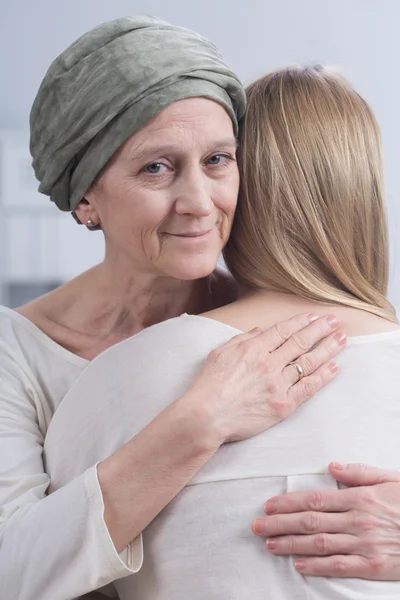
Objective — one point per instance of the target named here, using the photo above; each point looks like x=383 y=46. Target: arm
x=132 y=502
x=353 y=532
x=66 y=544
x=51 y=547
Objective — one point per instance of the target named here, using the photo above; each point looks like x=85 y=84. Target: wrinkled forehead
x=190 y=122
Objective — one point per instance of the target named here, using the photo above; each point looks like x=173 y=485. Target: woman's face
x=166 y=200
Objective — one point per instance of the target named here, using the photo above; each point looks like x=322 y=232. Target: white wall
x=359 y=36
x=37 y=241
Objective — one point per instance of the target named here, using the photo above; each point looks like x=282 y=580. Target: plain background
x=359 y=37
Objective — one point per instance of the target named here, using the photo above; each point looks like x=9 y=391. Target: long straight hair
x=311 y=217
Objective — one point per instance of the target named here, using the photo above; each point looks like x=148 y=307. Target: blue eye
x=218 y=159
x=154 y=168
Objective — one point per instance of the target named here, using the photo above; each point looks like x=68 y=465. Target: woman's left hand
x=353 y=532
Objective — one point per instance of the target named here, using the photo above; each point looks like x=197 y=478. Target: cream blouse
x=57 y=546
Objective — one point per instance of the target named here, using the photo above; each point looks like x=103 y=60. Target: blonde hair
x=311 y=217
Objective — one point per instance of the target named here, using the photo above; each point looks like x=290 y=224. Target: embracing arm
x=66 y=544
x=141 y=478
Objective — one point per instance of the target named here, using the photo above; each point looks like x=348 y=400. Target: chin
x=195 y=268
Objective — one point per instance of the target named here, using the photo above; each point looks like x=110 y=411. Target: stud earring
x=89 y=223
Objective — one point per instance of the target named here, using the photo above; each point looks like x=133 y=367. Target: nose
x=193 y=195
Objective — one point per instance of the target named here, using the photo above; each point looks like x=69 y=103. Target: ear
x=85 y=211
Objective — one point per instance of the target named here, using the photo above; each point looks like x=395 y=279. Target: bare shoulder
x=357 y=322
x=260 y=310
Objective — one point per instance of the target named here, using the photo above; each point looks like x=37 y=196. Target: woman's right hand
x=248 y=384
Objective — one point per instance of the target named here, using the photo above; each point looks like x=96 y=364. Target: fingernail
x=332 y=320
x=338 y=466
x=271 y=544
x=340 y=338
x=299 y=565
x=256 y=330
x=312 y=317
x=258 y=527
x=270 y=507
x=333 y=367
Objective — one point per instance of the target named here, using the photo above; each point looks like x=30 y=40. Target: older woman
x=134 y=131
x=310 y=232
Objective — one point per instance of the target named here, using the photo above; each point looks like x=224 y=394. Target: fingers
x=304 y=523
x=346 y=566
x=311 y=361
x=357 y=474
x=308 y=386
x=316 y=500
x=304 y=340
x=277 y=335
x=321 y=544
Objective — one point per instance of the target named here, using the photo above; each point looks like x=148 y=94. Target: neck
x=113 y=303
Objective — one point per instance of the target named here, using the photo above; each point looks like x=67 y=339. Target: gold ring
x=298 y=369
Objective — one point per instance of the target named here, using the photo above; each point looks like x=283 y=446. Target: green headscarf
x=107 y=85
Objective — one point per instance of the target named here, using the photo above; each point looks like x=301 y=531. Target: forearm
x=58 y=547
x=141 y=478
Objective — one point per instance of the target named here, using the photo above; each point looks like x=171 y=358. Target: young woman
x=309 y=235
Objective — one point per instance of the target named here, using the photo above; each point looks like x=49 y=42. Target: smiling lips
x=189 y=235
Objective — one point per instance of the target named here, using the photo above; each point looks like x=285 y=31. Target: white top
x=52 y=547
x=201 y=546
